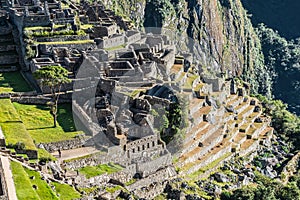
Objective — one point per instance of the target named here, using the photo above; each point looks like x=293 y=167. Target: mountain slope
x=226 y=38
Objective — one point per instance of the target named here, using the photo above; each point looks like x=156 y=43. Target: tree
x=53 y=77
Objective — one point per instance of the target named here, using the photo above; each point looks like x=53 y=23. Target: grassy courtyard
x=13 y=82
x=34 y=124
x=39 y=122
x=92 y=171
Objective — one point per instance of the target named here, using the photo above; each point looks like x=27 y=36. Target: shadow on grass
x=65 y=117
x=15 y=81
x=47 y=127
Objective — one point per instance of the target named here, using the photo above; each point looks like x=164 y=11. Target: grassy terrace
x=92 y=171
x=12 y=126
x=189 y=81
x=67 y=42
x=25 y=191
x=43 y=190
x=39 y=122
x=13 y=82
x=22 y=182
x=35 y=28
x=86 y=26
x=115 y=48
x=199 y=86
x=66 y=192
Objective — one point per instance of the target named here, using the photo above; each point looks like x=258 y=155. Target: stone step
x=251 y=144
x=235 y=102
x=9 y=68
x=255 y=130
x=6 y=39
x=11 y=58
x=195 y=140
x=206 y=145
x=221 y=150
x=6 y=47
x=195 y=131
x=195 y=105
x=232 y=97
x=246 y=112
x=200 y=137
x=198 y=116
x=237 y=141
x=242 y=106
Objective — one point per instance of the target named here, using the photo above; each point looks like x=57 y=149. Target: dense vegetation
x=266 y=189
x=286 y=124
x=282 y=58
x=279 y=15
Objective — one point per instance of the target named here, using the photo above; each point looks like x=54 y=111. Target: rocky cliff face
x=226 y=38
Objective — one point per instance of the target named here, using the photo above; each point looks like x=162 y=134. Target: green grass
x=67 y=42
x=42 y=153
x=13 y=82
x=130 y=182
x=8 y=112
x=66 y=192
x=195 y=175
x=115 y=48
x=113 y=189
x=88 y=190
x=23 y=186
x=189 y=81
x=43 y=190
x=16 y=132
x=35 y=28
x=39 y=122
x=92 y=171
x=12 y=127
x=199 y=86
x=86 y=26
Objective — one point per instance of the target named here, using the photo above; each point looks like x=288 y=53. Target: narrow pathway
x=75 y=153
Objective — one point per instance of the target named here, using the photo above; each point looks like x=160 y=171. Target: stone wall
x=116 y=40
x=140 y=145
x=159 y=176
x=80 y=47
x=36 y=20
x=9 y=47
x=63 y=145
x=217 y=83
x=152 y=166
x=157 y=101
x=132 y=36
x=35 y=100
x=9 y=59
x=212 y=158
x=63 y=38
x=114 y=155
x=83 y=182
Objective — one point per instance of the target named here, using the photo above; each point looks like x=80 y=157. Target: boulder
x=222 y=178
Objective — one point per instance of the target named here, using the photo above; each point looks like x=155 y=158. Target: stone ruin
x=119 y=75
